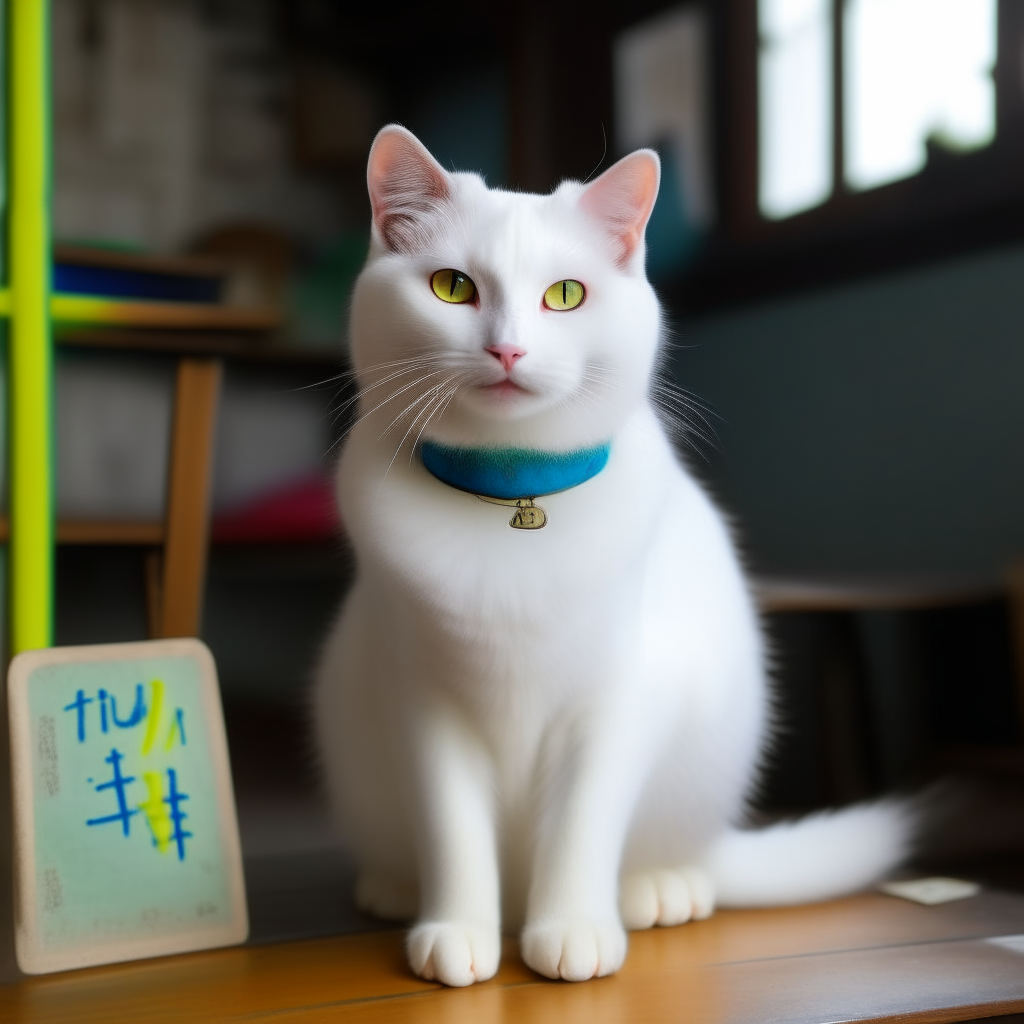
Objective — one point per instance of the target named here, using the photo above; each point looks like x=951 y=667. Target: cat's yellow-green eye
x=564 y=295
x=453 y=286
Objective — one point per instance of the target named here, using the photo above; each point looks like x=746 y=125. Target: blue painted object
x=125 y=283
x=512 y=472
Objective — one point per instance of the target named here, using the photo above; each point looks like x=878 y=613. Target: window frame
x=957 y=203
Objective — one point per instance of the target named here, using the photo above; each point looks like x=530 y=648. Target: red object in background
x=302 y=511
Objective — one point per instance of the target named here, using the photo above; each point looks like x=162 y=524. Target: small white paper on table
x=931 y=891
x=1014 y=943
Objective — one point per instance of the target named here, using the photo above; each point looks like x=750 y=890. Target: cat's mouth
x=504 y=388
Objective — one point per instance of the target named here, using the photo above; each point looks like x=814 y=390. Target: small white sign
x=931 y=891
x=125 y=836
x=1014 y=943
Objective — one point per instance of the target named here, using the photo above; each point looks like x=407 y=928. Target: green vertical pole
x=30 y=351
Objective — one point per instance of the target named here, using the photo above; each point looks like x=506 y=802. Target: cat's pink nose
x=506 y=354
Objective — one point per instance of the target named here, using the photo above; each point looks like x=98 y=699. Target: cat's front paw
x=665 y=897
x=454 y=952
x=574 y=952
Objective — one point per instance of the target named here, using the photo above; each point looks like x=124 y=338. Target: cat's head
x=491 y=317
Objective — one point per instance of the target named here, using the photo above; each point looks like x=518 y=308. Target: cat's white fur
x=551 y=730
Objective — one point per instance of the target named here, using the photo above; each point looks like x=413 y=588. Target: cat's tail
x=818 y=857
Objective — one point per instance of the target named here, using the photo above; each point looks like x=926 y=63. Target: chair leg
x=152 y=571
x=1015 y=591
x=183 y=572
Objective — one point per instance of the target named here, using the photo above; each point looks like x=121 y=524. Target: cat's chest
x=460 y=554
x=471 y=557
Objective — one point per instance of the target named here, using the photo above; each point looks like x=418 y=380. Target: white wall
x=169 y=120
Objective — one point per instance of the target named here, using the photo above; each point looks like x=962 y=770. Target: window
x=852 y=137
x=794 y=105
x=913 y=71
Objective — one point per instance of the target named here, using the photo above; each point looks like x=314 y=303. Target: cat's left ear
x=623 y=198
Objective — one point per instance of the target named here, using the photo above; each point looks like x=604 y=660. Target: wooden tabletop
x=860 y=593
x=870 y=957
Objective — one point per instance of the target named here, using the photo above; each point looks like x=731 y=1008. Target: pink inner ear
x=405 y=183
x=623 y=198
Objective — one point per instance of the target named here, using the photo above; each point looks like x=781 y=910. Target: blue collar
x=512 y=472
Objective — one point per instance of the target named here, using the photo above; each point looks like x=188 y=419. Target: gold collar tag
x=528 y=515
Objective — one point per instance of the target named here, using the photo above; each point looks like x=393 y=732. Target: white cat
x=551 y=729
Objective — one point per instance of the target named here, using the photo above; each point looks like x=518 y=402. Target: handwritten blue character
x=164 y=813
x=118 y=784
x=78 y=704
x=173 y=799
x=177 y=728
x=108 y=710
x=138 y=711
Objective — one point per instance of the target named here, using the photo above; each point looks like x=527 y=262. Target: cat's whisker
x=685 y=426
x=339 y=411
x=686 y=431
x=386 y=401
x=412 y=426
x=689 y=436
x=688 y=416
x=344 y=375
x=353 y=374
x=441 y=404
x=413 y=365
x=378 y=406
x=583 y=394
x=679 y=387
x=412 y=405
x=682 y=394
x=397 y=369
x=591 y=386
x=602 y=376
x=427 y=397
x=682 y=408
x=419 y=401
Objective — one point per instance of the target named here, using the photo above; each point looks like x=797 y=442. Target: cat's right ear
x=405 y=183
x=622 y=200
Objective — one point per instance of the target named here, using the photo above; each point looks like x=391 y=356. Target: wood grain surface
x=870 y=957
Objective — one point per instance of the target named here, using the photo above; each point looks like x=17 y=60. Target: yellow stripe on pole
x=30 y=350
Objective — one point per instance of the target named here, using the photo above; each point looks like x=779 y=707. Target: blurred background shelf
x=83 y=309
x=100 y=532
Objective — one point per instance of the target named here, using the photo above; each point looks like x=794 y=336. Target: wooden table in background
x=870 y=957
x=200 y=337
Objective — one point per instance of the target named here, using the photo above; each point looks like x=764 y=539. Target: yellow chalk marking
x=153 y=721
x=175 y=730
x=156 y=812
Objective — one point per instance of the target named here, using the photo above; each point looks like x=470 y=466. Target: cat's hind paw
x=573 y=952
x=665 y=897
x=386 y=896
x=454 y=952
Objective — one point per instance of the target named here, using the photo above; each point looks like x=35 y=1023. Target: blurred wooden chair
x=1015 y=593
x=176 y=572
x=199 y=329
x=176 y=568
